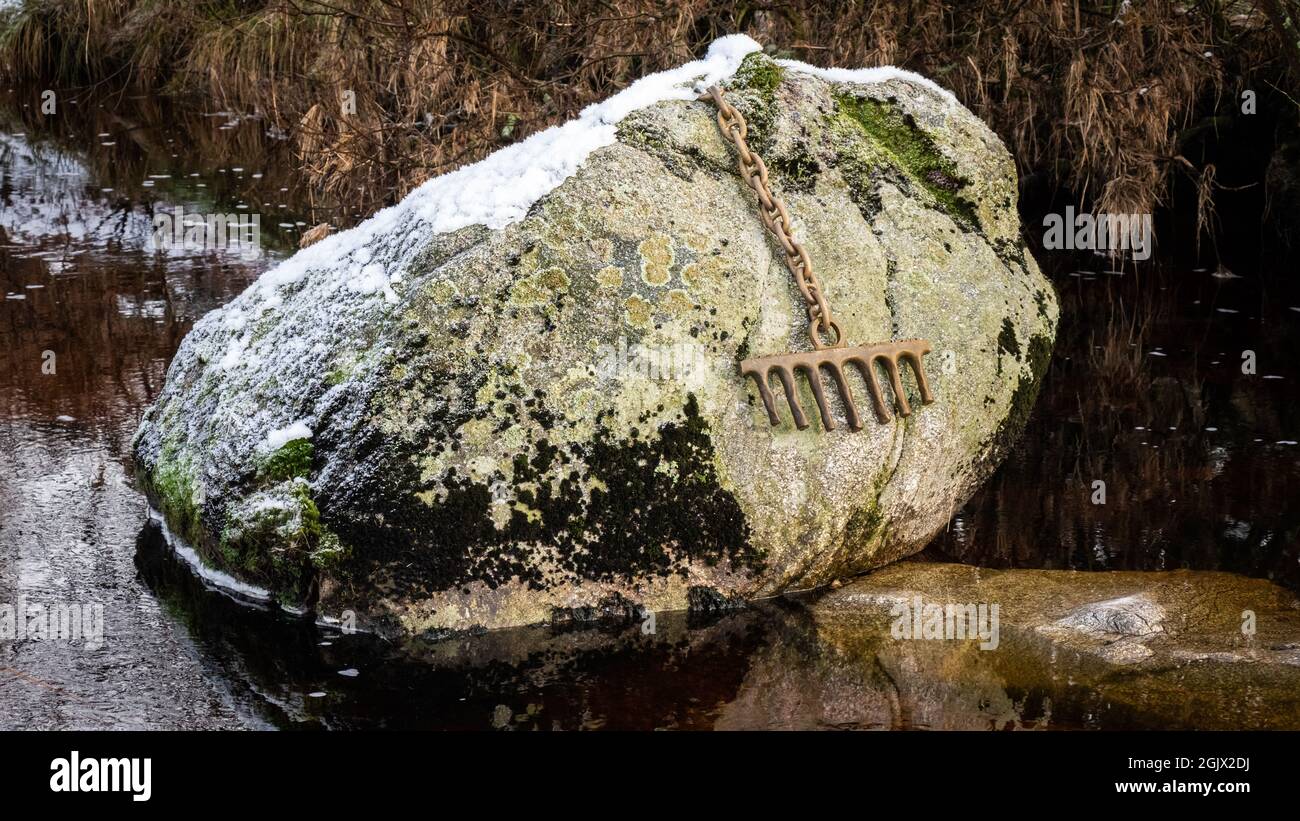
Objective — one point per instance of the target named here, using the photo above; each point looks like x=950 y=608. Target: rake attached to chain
x=830 y=355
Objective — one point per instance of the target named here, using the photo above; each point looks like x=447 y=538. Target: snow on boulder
x=515 y=395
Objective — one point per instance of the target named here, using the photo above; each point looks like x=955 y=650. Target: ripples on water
x=1145 y=393
x=86 y=296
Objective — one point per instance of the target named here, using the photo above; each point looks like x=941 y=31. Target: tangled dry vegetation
x=1097 y=96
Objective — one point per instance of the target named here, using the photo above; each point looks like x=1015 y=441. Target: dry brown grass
x=1096 y=94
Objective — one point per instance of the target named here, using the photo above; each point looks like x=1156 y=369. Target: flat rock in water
x=516 y=393
x=1179 y=649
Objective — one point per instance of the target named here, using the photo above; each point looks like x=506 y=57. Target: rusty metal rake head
x=833 y=361
x=830 y=356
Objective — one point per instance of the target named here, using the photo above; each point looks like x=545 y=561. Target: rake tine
x=913 y=359
x=877 y=399
x=891 y=355
x=819 y=394
x=787 y=381
x=850 y=409
x=823 y=331
x=764 y=392
x=895 y=382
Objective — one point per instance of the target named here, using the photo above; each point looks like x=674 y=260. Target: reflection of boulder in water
x=610 y=675
x=255 y=648
x=858 y=677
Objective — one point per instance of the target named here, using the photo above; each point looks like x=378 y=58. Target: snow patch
x=281 y=436
x=869 y=76
x=234 y=352
x=371 y=279
x=500 y=188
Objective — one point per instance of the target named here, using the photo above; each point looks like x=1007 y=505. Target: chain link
x=773 y=212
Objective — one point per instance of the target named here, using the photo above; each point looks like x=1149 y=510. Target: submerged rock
x=1073 y=649
x=516 y=393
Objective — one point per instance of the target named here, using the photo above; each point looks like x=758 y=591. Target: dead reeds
x=379 y=95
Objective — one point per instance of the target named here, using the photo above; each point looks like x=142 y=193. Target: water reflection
x=534 y=678
x=92 y=312
x=786 y=664
x=766 y=667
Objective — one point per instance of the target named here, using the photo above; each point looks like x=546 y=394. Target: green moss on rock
x=756 y=82
x=910 y=149
x=172 y=489
x=758 y=72
x=275 y=538
x=291 y=460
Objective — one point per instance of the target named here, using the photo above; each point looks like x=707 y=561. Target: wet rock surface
x=483 y=427
x=1177 y=649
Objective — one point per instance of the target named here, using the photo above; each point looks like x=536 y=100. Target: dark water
x=1146 y=394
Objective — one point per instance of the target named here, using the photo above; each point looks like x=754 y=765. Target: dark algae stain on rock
x=612 y=610
x=654 y=505
x=663 y=492
x=418 y=546
x=796 y=169
x=704 y=600
x=865 y=524
x=1007 y=343
x=1022 y=400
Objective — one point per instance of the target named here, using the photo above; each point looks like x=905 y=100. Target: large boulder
x=516 y=394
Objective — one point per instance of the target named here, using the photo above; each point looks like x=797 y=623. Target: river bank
x=1114 y=102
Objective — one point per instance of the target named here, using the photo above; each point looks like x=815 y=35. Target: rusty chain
x=773 y=212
